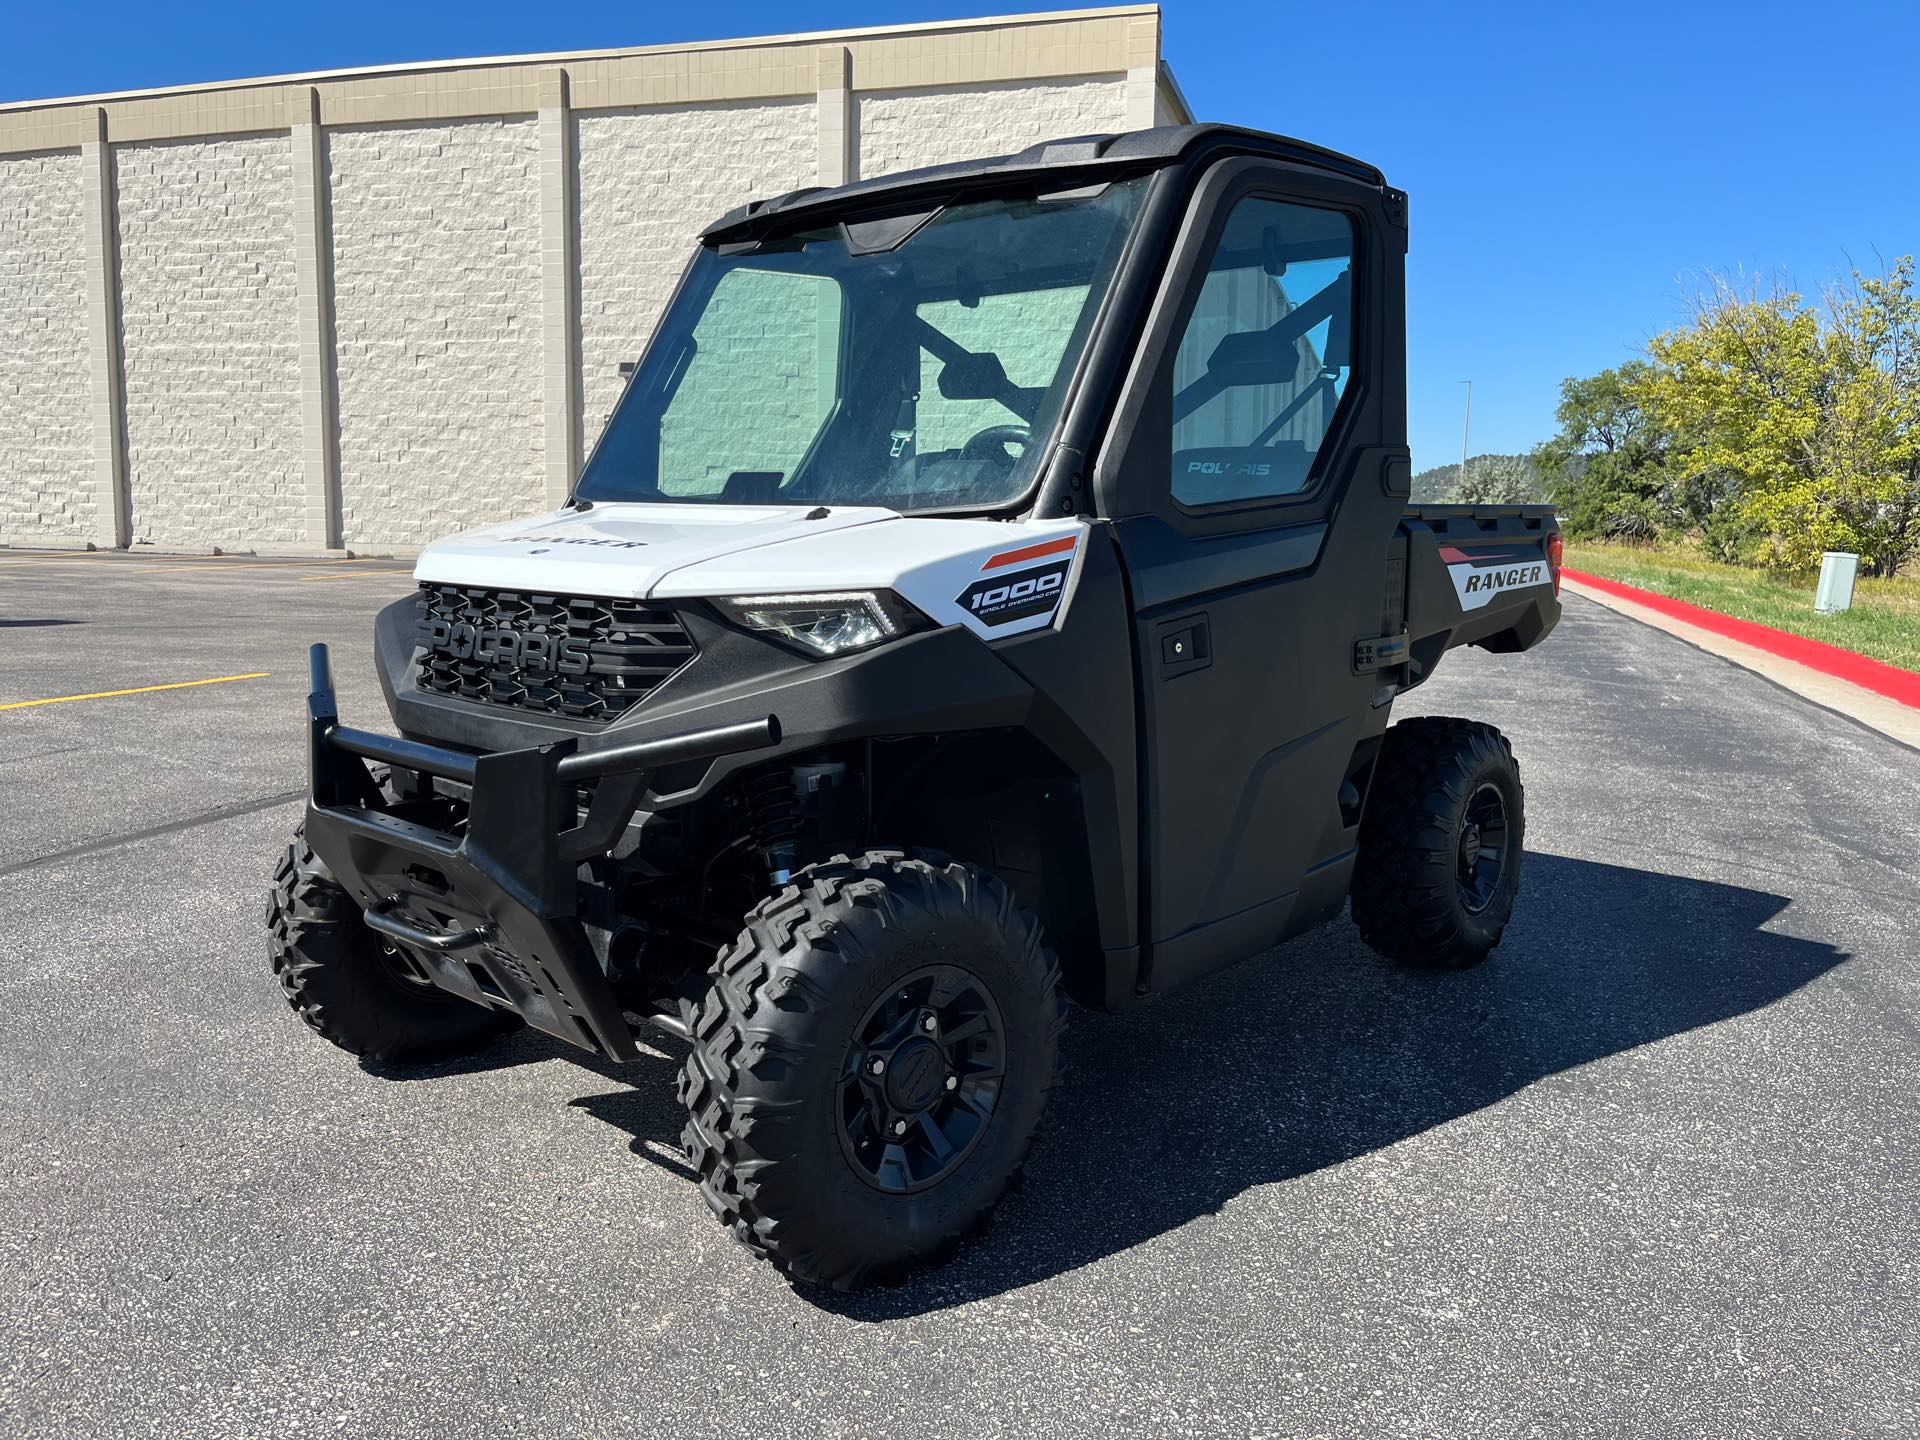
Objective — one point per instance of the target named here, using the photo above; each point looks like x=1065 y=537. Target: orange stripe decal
x=1032 y=552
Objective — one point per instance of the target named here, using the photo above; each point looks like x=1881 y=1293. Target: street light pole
x=1466 y=429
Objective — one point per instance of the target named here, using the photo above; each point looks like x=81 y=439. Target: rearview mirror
x=1273 y=255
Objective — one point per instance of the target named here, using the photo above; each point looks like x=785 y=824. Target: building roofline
x=1187 y=117
x=559 y=57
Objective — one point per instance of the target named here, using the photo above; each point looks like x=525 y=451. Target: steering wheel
x=991 y=443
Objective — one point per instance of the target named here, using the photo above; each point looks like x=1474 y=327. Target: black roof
x=1133 y=150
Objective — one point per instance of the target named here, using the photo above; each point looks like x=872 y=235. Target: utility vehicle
x=990 y=590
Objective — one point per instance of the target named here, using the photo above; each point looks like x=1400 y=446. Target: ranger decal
x=1479 y=575
x=601 y=541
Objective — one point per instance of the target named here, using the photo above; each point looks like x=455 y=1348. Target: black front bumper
x=490 y=911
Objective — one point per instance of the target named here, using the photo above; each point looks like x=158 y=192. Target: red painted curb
x=1869 y=674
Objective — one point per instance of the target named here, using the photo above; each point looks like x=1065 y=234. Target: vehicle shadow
x=1314 y=1054
x=1321 y=1052
x=644 y=1104
x=527 y=1046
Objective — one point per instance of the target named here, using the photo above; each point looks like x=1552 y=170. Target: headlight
x=832 y=623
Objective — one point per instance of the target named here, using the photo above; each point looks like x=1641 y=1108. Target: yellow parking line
x=111 y=560
x=136 y=690
x=364 y=575
x=204 y=566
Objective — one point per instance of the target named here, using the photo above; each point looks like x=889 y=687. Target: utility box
x=1837 y=569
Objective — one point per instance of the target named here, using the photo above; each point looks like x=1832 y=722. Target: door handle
x=1185 y=645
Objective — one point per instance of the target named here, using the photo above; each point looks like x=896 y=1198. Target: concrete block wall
x=46 y=453
x=436 y=304
x=209 y=349
x=360 y=311
x=649 y=180
x=904 y=129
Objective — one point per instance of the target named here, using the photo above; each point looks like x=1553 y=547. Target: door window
x=1265 y=357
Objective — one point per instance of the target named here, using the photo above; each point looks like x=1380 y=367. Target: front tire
x=870 y=1065
x=1440 y=844
x=352 y=987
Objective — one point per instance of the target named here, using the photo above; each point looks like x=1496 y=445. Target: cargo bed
x=1486 y=575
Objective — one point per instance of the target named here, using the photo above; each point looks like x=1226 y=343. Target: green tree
x=1608 y=470
x=1811 y=419
x=1490 y=479
x=1873 y=450
x=1499 y=480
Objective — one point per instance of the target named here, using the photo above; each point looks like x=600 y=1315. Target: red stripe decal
x=1502 y=555
x=1861 y=670
x=1032 y=552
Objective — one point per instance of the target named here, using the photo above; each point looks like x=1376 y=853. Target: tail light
x=1555 y=548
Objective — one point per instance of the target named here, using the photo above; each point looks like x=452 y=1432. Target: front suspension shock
x=773 y=813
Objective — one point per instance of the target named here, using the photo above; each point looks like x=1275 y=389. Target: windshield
x=916 y=362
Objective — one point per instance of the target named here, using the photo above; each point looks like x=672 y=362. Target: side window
x=1265 y=356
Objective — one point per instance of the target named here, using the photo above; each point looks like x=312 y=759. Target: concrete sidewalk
x=1889 y=717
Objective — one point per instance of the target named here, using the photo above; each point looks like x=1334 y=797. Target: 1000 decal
x=1006 y=598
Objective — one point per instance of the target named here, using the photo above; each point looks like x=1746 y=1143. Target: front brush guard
x=491 y=913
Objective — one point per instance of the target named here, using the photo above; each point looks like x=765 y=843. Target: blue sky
x=1570 y=166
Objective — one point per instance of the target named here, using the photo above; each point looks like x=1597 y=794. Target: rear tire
x=872 y=993
x=1440 y=844
x=353 y=988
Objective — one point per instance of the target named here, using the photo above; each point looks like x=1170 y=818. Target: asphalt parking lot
x=1652 y=1170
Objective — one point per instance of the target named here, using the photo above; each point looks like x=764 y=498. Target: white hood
x=616 y=550
x=996 y=577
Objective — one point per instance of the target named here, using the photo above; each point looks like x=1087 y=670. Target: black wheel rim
x=921 y=1079
x=1482 y=847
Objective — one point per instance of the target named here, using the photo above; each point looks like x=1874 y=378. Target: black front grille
x=580 y=656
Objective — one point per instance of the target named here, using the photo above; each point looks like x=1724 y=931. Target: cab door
x=1255 y=474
